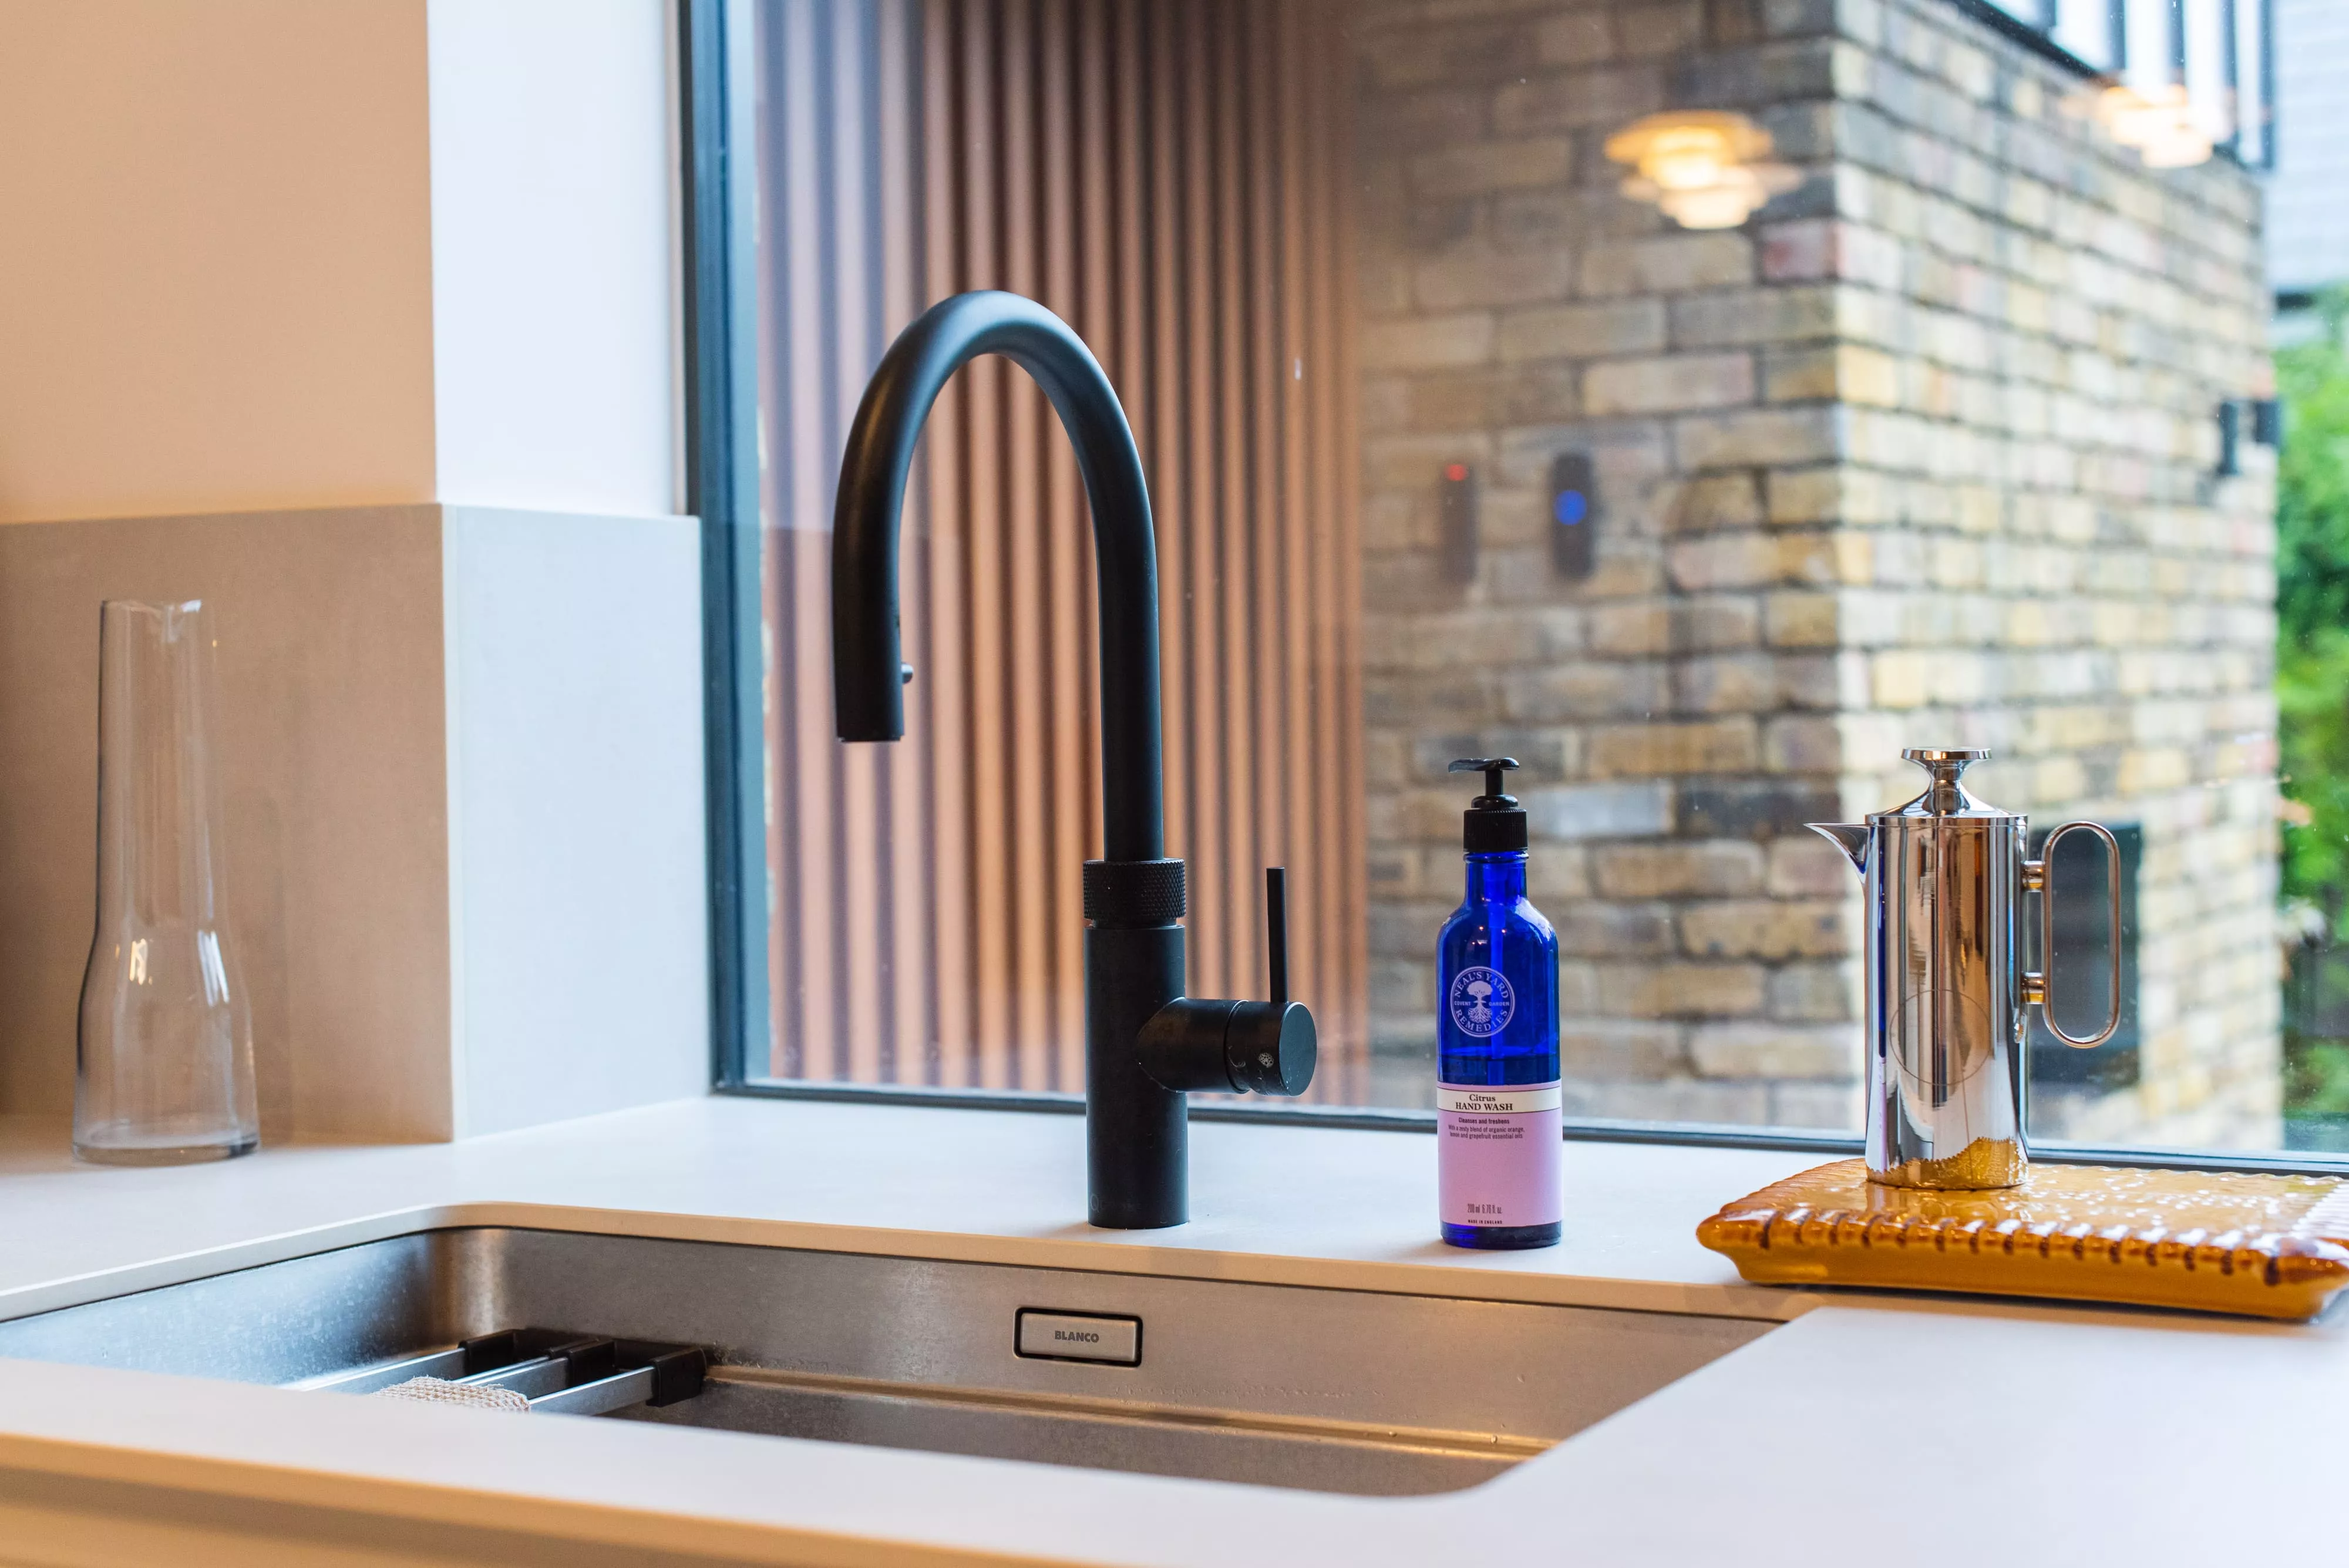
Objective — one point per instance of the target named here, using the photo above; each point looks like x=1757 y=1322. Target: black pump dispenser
x=1494 y=821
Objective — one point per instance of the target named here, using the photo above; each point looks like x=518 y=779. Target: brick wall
x=1921 y=455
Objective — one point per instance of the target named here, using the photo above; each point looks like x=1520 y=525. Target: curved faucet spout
x=867 y=679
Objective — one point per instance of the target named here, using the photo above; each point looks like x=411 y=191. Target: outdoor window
x=1698 y=400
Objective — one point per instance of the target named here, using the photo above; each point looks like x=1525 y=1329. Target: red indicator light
x=1456 y=472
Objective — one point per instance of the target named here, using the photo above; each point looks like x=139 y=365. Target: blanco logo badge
x=1079 y=1336
x=1482 y=1002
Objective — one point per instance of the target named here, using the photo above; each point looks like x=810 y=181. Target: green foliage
x=2316 y=1078
x=2311 y=680
x=2313 y=615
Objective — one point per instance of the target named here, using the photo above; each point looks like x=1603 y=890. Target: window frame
x=717 y=317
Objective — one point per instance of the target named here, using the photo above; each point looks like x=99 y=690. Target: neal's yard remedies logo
x=1482 y=1002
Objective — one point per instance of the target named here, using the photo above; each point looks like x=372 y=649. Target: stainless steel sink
x=1332 y=1390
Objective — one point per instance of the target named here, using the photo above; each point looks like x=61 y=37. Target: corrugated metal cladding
x=1172 y=179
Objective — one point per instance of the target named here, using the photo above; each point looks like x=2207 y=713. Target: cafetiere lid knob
x=1945 y=794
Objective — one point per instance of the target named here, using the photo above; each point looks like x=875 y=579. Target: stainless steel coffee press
x=1946 y=988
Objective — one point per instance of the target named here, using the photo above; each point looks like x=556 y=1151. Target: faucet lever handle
x=1238 y=1047
x=1270 y=1046
x=1275 y=933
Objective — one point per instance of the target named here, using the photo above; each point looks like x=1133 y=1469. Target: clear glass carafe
x=165 y=1065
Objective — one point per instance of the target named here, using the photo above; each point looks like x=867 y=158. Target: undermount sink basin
x=1330 y=1390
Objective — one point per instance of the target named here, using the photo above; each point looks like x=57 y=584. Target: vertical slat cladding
x=1323 y=524
x=1166 y=436
x=1193 y=151
x=1062 y=1000
x=1337 y=671
x=1334 y=123
x=978 y=209
x=1022 y=586
x=911 y=963
x=1234 y=392
x=949 y=679
x=847 y=175
x=1270 y=523
x=830 y=991
x=1291 y=415
x=1118 y=211
x=815 y=805
x=1171 y=179
x=1103 y=321
x=788 y=1058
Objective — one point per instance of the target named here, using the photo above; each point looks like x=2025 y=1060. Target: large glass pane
x=1697 y=402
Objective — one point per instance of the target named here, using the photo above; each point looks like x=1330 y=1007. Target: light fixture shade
x=2161 y=123
x=1705 y=169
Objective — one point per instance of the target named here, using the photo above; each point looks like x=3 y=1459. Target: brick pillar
x=1919 y=455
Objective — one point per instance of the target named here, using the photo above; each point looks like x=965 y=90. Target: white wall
x=551 y=253
x=578 y=901
x=215 y=287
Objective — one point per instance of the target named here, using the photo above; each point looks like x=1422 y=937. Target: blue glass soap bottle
x=1499 y=1139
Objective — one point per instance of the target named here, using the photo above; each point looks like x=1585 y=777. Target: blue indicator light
x=1571 y=507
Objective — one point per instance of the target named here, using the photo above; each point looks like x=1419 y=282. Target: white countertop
x=1882 y=1430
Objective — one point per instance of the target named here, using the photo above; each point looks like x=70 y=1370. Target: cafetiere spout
x=1851 y=838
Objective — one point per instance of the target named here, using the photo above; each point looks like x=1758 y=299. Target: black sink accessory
x=677 y=1369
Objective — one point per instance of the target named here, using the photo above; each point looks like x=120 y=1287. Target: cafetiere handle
x=2039 y=987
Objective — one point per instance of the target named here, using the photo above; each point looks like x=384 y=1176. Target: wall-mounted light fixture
x=2161 y=123
x=1705 y=168
x=2264 y=416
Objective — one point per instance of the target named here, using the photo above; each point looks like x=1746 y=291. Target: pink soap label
x=1499 y=1155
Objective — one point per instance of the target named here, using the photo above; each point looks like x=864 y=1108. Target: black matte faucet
x=1145 y=1042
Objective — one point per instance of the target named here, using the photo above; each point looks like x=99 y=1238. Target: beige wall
x=265 y=254
x=332 y=770
x=217 y=259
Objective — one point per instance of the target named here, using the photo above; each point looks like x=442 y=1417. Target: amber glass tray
x=2265 y=1246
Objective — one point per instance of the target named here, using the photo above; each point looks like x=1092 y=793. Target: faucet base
x=1136 y=1156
